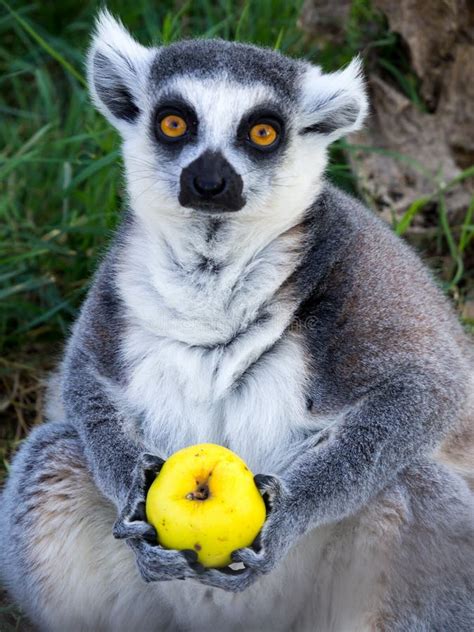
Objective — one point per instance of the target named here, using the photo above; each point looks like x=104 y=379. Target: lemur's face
x=212 y=127
x=218 y=144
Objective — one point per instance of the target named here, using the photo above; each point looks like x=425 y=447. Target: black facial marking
x=262 y=114
x=112 y=91
x=323 y=127
x=172 y=104
x=210 y=183
x=346 y=115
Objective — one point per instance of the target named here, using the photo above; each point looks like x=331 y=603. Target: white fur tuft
x=328 y=96
x=128 y=65
x=111 y=32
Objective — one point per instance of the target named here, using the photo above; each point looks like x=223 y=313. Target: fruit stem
x=201 y=493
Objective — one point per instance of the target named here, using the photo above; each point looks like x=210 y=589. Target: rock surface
x=437 y=140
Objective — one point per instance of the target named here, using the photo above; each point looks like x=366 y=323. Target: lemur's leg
x=405 y=563
x=58 y=556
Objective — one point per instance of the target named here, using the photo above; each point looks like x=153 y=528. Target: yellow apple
x=205 y=499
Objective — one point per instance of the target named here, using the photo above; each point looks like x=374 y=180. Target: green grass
x=60 y=168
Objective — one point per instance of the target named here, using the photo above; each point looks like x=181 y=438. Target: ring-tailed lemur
x=248 y=303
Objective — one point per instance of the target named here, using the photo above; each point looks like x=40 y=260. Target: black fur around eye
x=174 y=123
x=260 y=126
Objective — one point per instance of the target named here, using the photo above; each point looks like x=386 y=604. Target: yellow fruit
x=205 y=499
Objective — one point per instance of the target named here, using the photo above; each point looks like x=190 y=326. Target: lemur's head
x=213 y=127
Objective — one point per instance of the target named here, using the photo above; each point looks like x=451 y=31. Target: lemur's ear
x=333 y=104
x=117 y=68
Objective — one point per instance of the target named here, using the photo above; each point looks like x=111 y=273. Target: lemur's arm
x=381 y=358
x=112 y=445
x=111 y=454
x=398 y=421
x=91 y=386
x=395 y=423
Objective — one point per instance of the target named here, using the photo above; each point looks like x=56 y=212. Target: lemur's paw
x=158 y=564
x=131 y=522
x=267 y=550
x=276 y=535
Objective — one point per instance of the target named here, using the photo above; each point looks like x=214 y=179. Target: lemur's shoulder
x=376 y=290
x=101 y=322
x=368 y=248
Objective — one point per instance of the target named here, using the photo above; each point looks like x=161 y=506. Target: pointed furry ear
x=333 y=104
x=117 y=69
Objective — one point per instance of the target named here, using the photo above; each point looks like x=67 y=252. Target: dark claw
x=232 y=571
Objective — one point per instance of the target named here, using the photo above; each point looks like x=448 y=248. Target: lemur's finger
x=152 y=462
x=150 y=467
x=267 y=483
x=159 y=564
x=139 y=513
x=123 y=530
x=270 y=487
x=247 y=557
x=198 y=568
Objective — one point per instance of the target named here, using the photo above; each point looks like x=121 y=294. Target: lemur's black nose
x=207 y=187
x=210 y=183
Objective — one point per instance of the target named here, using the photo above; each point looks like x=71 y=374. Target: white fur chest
x=175 y=391
x=209 y=355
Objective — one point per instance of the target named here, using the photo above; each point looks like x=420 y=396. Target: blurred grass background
x=60 y=170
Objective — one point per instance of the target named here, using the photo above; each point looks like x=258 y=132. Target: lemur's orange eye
x=263 y=134
x=173 y=126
